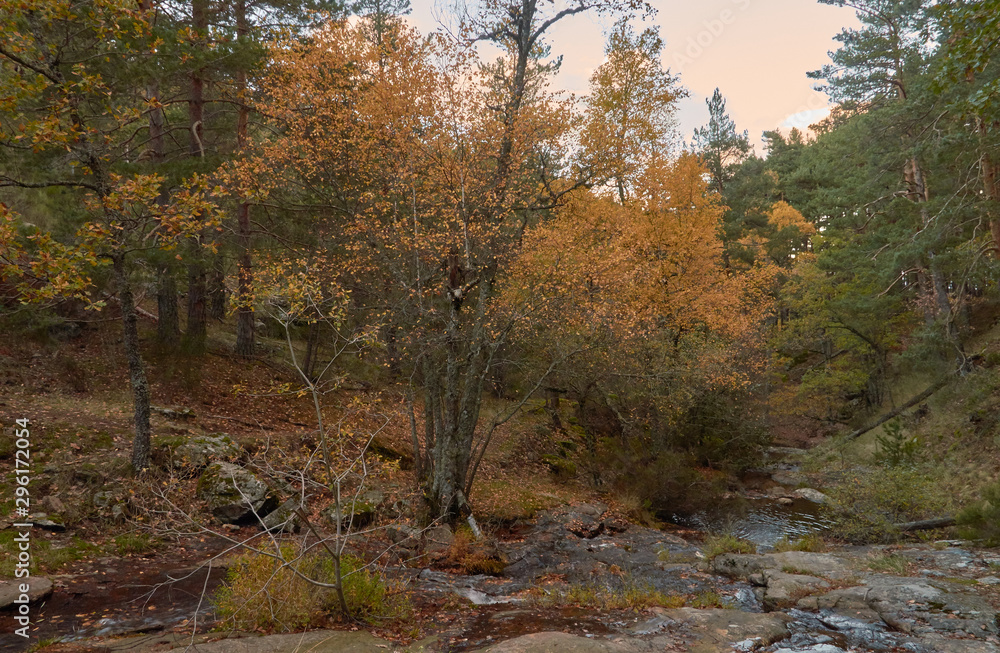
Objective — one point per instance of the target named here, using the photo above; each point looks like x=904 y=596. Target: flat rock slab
x=716 y=631
x=10 y=590
x=565 y=643
x=318 y=641
x=824 y=565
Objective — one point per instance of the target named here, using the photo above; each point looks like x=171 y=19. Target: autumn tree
x=425 y=169
x=669 y=337
x=630 y=109
x=76 y=117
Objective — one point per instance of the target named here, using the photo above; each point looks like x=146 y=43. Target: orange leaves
x=628 y=277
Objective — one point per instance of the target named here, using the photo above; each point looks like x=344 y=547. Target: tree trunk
x=217 y=290
x=196 y=314
x=196 y=100
x=462 y=391
x=245 y=319
x=136 y=368
x=168 y=326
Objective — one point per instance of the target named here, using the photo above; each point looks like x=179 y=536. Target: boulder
x=234 y=494
x=10 y=590
x=359 y=512
x=317 y=641
x=438 y=539
x=783 y=590
x=198 y=452
x=716 y=630
x=284 y=518
x=812 y=495
x=560 y=643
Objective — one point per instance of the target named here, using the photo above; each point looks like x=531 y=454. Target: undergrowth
x=716 y=545
x=263 y=594
x=867 y=506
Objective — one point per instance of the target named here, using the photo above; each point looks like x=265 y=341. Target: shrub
x=895 y=449
x=716 y=545
x=888 y=562
x=810 y=542
x=475 y=556
x=263 y=594
x=867 y=506
x=981 y=521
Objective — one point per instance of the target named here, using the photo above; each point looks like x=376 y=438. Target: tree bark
x=925 y=524
x=136 y=367
x=217 y=290
x=197 y=328
x=168 y=325
x=196 y=100
x=245 y=319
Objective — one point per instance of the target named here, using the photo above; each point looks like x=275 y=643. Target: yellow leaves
x=783 y=214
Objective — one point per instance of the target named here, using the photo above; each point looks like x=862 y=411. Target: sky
x=757 y=52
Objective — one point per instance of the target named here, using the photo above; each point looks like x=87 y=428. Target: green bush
x=867 y=506
x=263 y=594
x=895 y=448
x=981 y=521
x=716 y=545
x=810 y=542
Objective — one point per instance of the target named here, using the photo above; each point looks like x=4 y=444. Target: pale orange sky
x=756 y=51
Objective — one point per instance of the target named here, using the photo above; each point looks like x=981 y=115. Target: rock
x=785 y=501
x=738 y=565
x=783 y=590
x=559 y=643
x=103 y=499
x=904 y=603
x=989 y=580
x=591 y=509
x=197 y=453
x=825 y=565
x=10 y=590
x=174 y=413
x=317 y=641
x=360 y=512
x=815 y=648
x=585 y=528
x=812 y=495
x=284 y=518
x=54 y=504
x=438 y=539
x=234 y=494
x=43 y=521
x=717 y=630
x=403 y=535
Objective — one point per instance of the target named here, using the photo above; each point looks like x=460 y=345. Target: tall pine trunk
x=136 y=367
x=168 y=325
x=245 y=319
x=197 y=323
x=217 y=290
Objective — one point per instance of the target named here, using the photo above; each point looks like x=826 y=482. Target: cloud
x=803 y=119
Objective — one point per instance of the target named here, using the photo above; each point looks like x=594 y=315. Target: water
x=762 y=521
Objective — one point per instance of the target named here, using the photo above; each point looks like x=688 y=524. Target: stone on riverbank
x=10 y=590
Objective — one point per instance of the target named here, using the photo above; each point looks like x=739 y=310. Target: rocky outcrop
x=234 y=494
x=197 y=453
